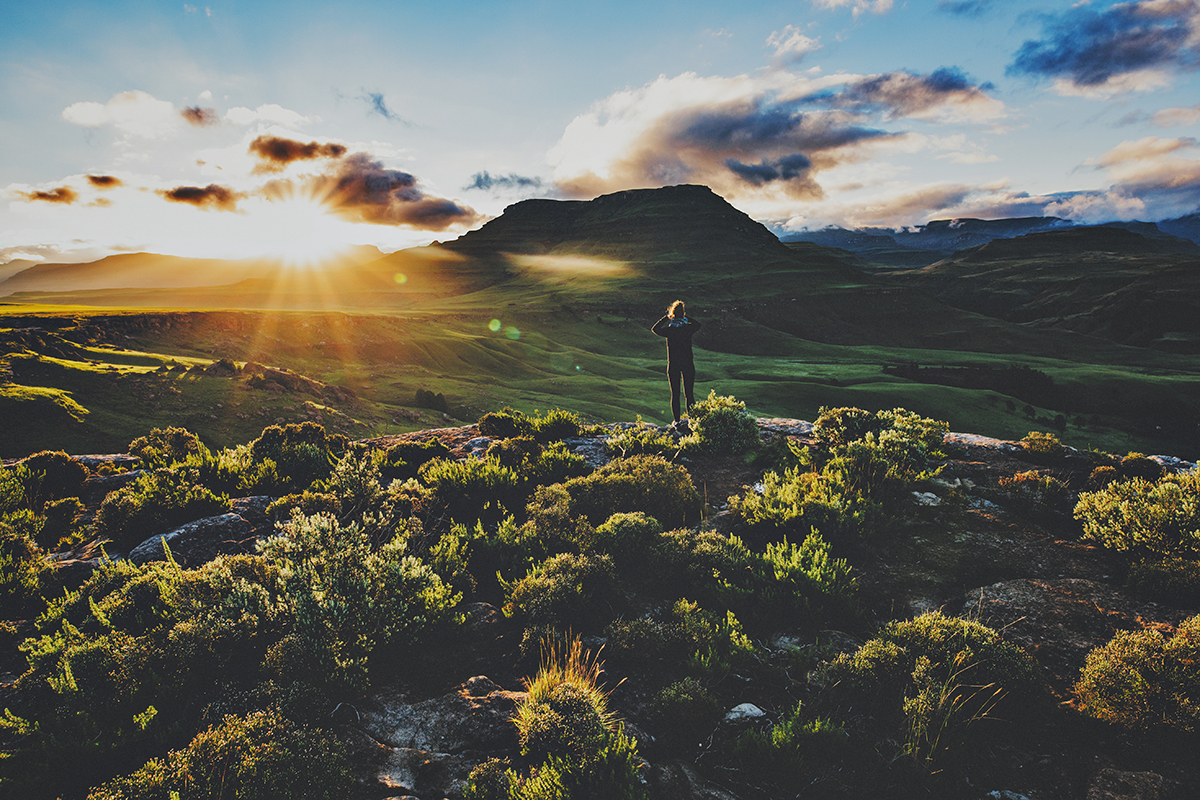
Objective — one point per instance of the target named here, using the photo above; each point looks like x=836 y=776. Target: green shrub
x=59 y=476
x=1141 y=680
x=689 y=640
x=301 y=454
x=556 y=425
x=629 y=539
x=261 y=756
x=308 y=502
x=347 y=600
x=568 y=591
x=491 y=780
x=800 y=500
x=721 y=425
x=163 y=447
x=682 y=714
x=507 y=423
x=641 y=439
x=60 y=522
x=1136 y=465
x=1042 y=447
x=517 y=453
x=837 y=427
x=1035 y=493
x=936 y=676
x=152 y=504
x=791 y=750
x=23 y=567
x=637 y=483
x=1174 y=581
x=1101 y=477
x=1160 y=519
x=403 y=459
x=354 y=481
x=12 y=488
x=472 y=488
x=556 y=464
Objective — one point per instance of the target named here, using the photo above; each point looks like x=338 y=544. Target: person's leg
x=689 y=385
x=675 y=378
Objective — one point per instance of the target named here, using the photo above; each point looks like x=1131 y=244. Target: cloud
x=487 y=181
x=857 y=6
x=775 y=132
x=942 y=93
x=104 y=181
x=63 y=194
x=211 y=197
x=965 y=8
x=200 y=117
x=1127 y=47
x=379 y=106
x=268 y=112
x=275 y=152
x=360 y=189
x=791 y=45
x=1168 y=117
x=133 y=113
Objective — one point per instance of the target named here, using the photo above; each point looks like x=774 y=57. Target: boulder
x=680 y=781
x=476 y=717
x=198 y=542
x=1113 y=784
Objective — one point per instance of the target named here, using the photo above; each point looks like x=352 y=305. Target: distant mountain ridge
x=926 y=244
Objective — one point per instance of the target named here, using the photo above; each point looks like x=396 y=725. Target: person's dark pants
x=685 y=375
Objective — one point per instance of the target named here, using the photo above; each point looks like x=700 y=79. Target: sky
x=237 y=129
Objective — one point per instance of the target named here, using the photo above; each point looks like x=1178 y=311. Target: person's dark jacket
x=678 y=333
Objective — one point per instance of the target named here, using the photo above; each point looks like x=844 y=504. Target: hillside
x=1105 y=281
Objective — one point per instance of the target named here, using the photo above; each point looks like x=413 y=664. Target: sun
x=301 y=230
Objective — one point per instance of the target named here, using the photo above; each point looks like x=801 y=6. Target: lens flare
x=512 y=332
x=494 y=326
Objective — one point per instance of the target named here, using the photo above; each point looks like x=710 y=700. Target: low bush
x=799 y=500
x=636 y=483
x=568 y=591
x=260 y=756
x=683 y=714
x=689 y=640
x=1137 y=465
x=507 y=423
x=1144 y=519
x=1142 y=680
x=1102 y=476
x=642 y=438
x=793 y=749
x=23 y=568
x=403 y=459
x=934 y=677
x=301 y=453
x=1036 y=493
x=1042 y=447
x=556 y=425
x=307 y=502
x=1174 y=581
x=163 y=447
x=837 y=427
x=472 y=488
x=56 y=474
x=721 y=426
x=152 y=504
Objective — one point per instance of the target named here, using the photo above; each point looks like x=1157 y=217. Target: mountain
x=1187 y=227
x=1134 y=288
x=156 y=271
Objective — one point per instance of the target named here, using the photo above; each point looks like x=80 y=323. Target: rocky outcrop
x=196 y=542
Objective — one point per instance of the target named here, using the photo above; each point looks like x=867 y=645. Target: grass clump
x=1142 y=680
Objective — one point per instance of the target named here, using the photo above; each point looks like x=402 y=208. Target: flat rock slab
x=197 y=542
x=463 y=720
x=1059 y=621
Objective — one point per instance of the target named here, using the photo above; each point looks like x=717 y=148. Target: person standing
x=678 y=328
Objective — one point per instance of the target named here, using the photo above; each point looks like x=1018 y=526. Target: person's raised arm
x=660 y=327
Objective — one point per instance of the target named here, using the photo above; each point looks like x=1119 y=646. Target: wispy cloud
x=211 y=197
x=488 y=182
x=276 y=152
x=942 y=93
x=791 y=45
x=1127 y=47
x=857 y=6
x=268 y=112
x=62 y=194
x=965 y=8
x=1169 y=117
x=378 y=105
x=201 y=117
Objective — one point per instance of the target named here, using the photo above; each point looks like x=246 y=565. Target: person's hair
x=677 y=306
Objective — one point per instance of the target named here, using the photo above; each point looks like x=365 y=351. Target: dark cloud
x=361 y=189
x=220 y=198
x=275 y=152
x=379 y=106
x=487 y=181
x=1089 y=47
x=63 y=194
x=785 y=169
x=902 y=94
x=200 y=117
x=104 y=181
x=964 y=8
